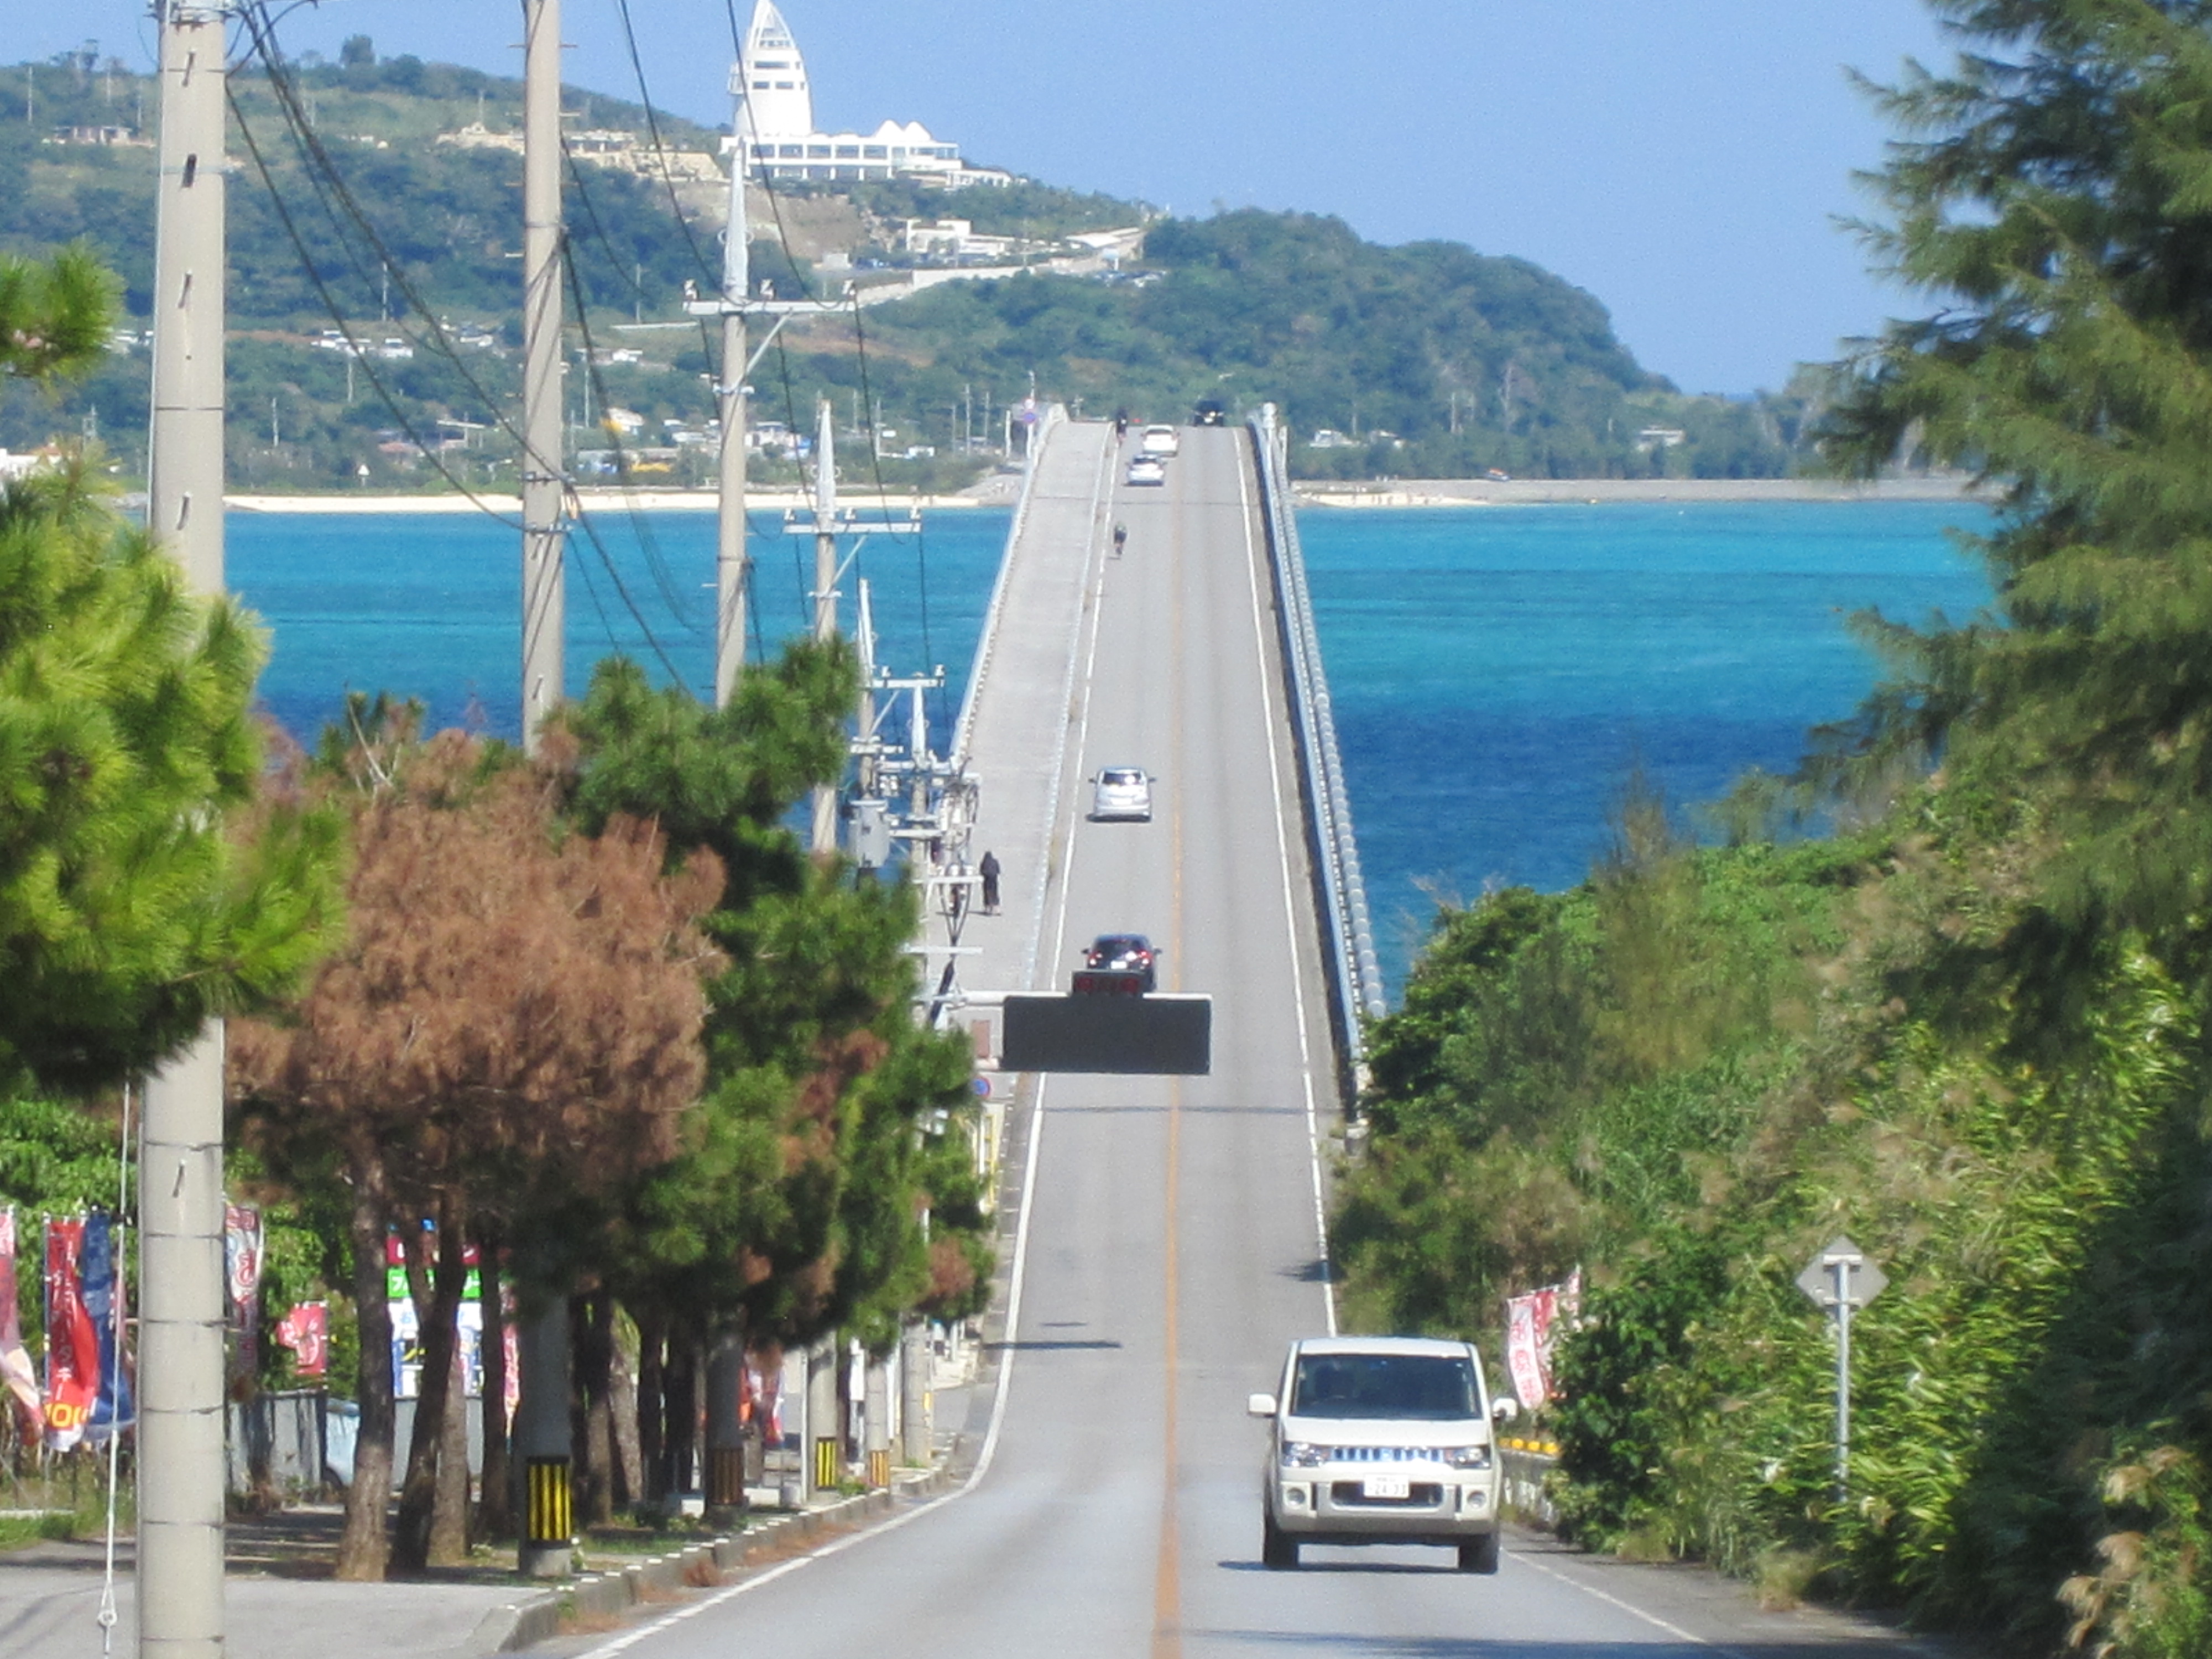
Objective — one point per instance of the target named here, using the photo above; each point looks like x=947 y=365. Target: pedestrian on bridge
x=989 y=869
x=1120 y=538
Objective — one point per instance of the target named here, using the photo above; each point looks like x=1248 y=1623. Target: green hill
x=1427 y=360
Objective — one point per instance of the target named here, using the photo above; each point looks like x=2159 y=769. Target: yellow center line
x=1167 y=1577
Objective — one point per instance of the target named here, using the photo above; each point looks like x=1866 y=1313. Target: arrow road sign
x=1841 y=1272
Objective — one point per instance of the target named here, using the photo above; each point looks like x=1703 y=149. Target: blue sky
x=1685 y=163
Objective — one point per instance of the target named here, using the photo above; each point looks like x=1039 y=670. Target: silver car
x=1121 y=792
x=1381 y=1440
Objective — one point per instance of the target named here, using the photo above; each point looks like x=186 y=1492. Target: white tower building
x=778 y=102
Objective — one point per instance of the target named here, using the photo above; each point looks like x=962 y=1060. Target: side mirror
x=1505 y=1410
x=1259 y=1405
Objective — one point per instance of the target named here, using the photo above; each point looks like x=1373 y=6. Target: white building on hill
x=778 y=117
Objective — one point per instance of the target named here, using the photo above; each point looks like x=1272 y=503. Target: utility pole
x=541 y=1438
x=544 y=533
x=824 y=839
x=733 y=306
x=181 y=1283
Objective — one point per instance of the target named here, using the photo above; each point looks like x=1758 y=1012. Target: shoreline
x=1391 y=493
x=1598 y=492
x=603 y=500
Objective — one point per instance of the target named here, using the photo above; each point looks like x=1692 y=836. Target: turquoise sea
x=1497 y=673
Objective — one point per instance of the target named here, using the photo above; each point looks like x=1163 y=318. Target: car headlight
x=1302 y=1454
x=1466 y=1457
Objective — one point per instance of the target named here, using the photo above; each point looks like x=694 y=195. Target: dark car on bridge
x=1211 y=412
x=1118 y=964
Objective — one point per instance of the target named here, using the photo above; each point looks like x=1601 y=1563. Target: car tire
x=1479 y=1554
x=1279 y=1551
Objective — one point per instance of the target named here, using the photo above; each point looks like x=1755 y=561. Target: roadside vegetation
x=1967 y=1024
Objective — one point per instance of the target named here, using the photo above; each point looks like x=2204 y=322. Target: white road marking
x=1628 y=1608
x=1290 y=908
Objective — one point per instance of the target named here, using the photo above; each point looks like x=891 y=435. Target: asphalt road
x=1171 y=1245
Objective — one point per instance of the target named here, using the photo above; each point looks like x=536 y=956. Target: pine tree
x=2054 y=193
x=144 y=883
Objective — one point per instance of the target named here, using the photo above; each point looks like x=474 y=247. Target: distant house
x=123 y=137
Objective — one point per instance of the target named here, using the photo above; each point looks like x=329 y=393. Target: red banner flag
x=307 y=1332
x=72 y=1344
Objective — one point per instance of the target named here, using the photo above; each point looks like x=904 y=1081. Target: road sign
x=1841 y=1272
x=1840 y=1278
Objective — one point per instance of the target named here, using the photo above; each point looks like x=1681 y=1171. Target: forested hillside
x=1424 y=360
x=1968 y=1030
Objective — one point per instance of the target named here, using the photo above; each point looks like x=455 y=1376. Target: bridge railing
x=1347 y=930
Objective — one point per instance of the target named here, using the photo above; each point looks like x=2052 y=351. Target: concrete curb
x=532 y=1618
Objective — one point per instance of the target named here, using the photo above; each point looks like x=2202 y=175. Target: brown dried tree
x=513 y=1023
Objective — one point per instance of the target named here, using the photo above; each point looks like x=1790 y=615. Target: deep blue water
x=1497 y=673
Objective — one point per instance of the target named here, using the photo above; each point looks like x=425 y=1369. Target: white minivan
x=1381 y=1440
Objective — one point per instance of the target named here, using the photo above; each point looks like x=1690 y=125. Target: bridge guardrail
x=1348 y=937
x=1524 y=1464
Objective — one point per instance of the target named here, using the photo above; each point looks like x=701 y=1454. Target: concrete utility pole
x=733 y=306
x=543 y=474
x=824 y=839
x=730 y=510
x=181 y=1288
x=541 y=1439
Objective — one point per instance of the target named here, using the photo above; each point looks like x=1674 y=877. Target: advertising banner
x=17 y=1376
x=1532 y=1323
x=307 y=1332
x=242 y=1262
x=103 y=1306
x=72 y=1347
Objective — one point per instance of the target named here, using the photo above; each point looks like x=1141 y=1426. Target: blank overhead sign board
x=1129 y=1036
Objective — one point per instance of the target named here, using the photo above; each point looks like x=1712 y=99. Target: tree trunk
x=496 y=1513
x=622 y=1411
x=449 y=1512
x=362 y=1549
x=652 y=1402
x=591 y=1427
x=437 y=1299
x=680 y=1398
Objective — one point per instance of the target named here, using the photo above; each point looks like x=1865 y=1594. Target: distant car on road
x=1148 y=470
x=1121 y=792
x=1161 y=440
x=1210 y=411
x=1118 y=964
x=1381 y=1440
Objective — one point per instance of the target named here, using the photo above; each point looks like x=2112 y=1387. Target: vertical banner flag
x=103 y=1306
x=307 y=1332
x=16 y=1376
x=72 y=1349
x=242 y=1262
x=1533 y=1324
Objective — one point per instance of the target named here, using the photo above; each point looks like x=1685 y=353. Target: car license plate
x=1387 y=1486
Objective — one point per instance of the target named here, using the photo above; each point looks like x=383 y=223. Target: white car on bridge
x=1381 y=1440
x=1121 y=792
x=1163 y=441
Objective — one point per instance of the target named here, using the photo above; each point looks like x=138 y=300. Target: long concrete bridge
x=1168 y=1236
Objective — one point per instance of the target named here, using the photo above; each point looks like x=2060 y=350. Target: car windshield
x=1418 y=1387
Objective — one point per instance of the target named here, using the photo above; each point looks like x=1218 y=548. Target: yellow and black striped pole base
x=548 y=1535
x=725 y=1477
x=826 y=1472
x=879 y=1468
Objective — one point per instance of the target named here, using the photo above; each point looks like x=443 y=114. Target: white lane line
x=983 y=1458
x=1100 y=481
x=1290 y=901
x=1628 y=1608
